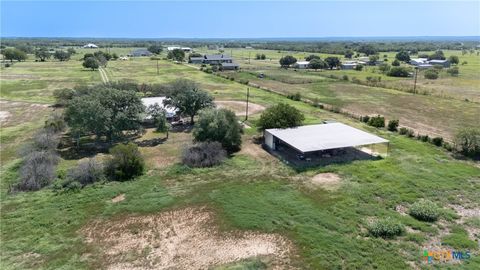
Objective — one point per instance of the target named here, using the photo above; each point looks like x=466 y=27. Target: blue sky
x=243 y=19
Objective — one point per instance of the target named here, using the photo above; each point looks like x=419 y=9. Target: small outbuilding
x=229 y=66
x=301 y=64
x=443 y=63
x=323 y=142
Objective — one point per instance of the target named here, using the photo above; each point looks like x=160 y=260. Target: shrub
x=399 y=72
x=393 y=125
x=423 y=138
x=220 y=125
x=55 y=122
x=358 y=67
x=204 y=154
x=87 y=172
x=377 y=121
x=281 y=115
x=431 y=74
x=297 y=96
x=365 y=118
x=453 y=71
x=385 y=228
x=45 y=140
x=72 y=186
x=403 y=131
x=37 y=170
x=126 y=162
x=424 y=210
x=467 y=142
x=438 y=141
x=345 y=77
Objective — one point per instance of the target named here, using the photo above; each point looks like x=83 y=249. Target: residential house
x=301 y=64
x=90 y=46
x=140 y=52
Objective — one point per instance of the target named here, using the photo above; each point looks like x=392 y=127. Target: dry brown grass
x=180 y=239
x=328 y=181
x=238 y=107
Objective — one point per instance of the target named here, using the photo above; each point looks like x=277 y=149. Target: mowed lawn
x=43 y=229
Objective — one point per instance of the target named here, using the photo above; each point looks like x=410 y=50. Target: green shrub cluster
x=376 y=121
x=393 y=125
x=425 y=210
x=385 y=228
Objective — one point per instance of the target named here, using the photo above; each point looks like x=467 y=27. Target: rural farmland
x=239 y=153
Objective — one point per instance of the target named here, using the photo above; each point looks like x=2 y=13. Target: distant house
x=349 y=65
x=216 y=59
x=424 y=66
x=229 y=66
x=418 y=61
x=140 y=52
x=443 y=63
x=185 y=49
x=90 y=46
x=196 y=60
x=301 y=64
x=124 y=58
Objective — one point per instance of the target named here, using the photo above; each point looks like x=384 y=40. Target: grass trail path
x=104 y=76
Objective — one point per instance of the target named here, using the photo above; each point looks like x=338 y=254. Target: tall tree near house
x=287 y=60
x=402 y=56
x=176 y=55
x=188 y=98
x=91 y=62
x=61 y=56
x=42 y=54
x=332 y=62
x=105 y=112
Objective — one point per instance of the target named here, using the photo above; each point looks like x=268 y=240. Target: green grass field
x=252 y=190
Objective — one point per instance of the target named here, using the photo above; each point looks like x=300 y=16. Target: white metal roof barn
x=321 y=137
x=170 y=110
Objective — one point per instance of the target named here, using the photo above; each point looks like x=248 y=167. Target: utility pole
x=246 y=112
x=415 y=83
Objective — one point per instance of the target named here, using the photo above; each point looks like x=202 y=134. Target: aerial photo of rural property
x=239 y=135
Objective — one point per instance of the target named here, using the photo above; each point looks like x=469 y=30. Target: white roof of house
x=90 y=45
x=438 y=61
x=324 y=136
x=171 y=111
x=302 y=62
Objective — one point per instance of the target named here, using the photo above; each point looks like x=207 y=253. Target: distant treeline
x=315 y=46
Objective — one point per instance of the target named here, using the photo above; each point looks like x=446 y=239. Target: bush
x=423 y=138
x=365 y=118
x=296 y=96
x=281 y=115
x=220 y=125
x=55 y=122
x=424 y=210
x=204 y=154
x=358 y=67
x=37 y=170
x=399 y=72
x=453 y=71
x=377 y=121
x=385 y=228
x=431 y=74
x=438 y=141
x=403 y=131
x=126 y=162
x=393 y=125
x=467 y=142
x=345 y=77
x=87 y=172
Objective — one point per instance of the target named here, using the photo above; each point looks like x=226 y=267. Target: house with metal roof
x=229 y=66
x=443 y=63
x=140 y=52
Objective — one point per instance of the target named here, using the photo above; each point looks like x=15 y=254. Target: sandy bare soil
x=14 y=112
x=328 y=181
x=118 y=198
x=181 y=239
x=239 y=106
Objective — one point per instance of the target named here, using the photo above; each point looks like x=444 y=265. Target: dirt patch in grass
x=328 y=181
x=180 y=239
x=118 y=198
x=466 y=214
x=13 y=112
x=239 y=106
